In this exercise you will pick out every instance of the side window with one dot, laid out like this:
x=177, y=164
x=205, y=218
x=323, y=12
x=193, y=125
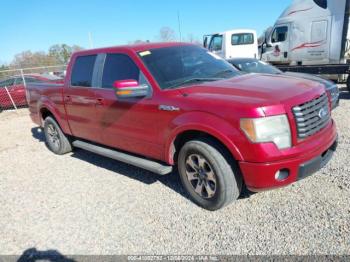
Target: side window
x=120, y=67
x=83, y=69
x=19, y=81
x=242, y=39
x=279, y=34
x=8, y=82
x=321, y=3
x=31, y=80
x=216, y=43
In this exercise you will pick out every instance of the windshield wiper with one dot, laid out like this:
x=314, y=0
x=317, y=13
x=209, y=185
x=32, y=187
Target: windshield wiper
x=223, y=72
x=195, y=80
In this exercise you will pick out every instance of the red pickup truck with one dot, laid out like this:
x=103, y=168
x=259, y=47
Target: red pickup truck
x=164, y=104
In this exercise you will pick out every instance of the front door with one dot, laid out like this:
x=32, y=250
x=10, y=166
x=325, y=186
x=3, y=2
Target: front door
x=129, y=123
x=80, y=101
x=277, y=48
x=216, y=45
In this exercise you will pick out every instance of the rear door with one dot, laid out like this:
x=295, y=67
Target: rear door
x=79, y=98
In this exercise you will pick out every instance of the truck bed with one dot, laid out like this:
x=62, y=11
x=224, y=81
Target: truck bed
x=38, y=92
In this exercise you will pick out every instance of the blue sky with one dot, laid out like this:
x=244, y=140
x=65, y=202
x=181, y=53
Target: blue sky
x=37, y=24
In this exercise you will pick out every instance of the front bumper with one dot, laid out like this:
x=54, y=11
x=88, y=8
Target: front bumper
x=262, y=176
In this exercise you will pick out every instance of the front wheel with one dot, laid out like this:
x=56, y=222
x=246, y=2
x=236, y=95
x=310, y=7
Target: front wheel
x=207, y=174
x=348, y=83
x=56, y=140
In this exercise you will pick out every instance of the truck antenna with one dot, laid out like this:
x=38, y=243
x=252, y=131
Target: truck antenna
x=179, y=24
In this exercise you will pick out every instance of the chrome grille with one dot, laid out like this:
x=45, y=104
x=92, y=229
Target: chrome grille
x=312, y=116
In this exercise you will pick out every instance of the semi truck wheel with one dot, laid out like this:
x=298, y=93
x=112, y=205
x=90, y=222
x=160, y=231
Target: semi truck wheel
x=206, y=173
x=56, y=140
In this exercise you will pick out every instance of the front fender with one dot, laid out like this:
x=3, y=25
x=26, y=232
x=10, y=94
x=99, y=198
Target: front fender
x=213, y=125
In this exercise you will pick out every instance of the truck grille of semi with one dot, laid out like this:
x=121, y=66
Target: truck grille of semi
x=312, y=116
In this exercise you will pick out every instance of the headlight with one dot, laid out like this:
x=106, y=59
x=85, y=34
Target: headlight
x=274, y=129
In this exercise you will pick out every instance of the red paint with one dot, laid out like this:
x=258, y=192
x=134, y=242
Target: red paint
x=138, y=126
x=298, y=11
x=308, y=45
x=18, y=92
x=125, y=83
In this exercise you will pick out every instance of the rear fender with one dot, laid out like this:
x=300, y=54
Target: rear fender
x=60, y=116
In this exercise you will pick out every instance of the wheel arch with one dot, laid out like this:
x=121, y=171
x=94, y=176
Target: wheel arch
x=46, y=110
x=183, y=135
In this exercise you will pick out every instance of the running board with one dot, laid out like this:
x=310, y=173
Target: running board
x=149, y=165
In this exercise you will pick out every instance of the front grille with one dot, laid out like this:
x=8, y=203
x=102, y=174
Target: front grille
x=312, y=116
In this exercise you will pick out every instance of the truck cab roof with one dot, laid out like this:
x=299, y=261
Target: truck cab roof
x=134, y=48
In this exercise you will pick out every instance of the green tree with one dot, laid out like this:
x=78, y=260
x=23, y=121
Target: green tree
x=62, y=52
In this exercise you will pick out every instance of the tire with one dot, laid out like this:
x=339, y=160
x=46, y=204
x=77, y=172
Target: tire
x=56, y=140
x=348, y=83
x=204, y=165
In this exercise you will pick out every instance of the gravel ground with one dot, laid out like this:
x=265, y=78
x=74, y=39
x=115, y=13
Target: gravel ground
x=82, y=203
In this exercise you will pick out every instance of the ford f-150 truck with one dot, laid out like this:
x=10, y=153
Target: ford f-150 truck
x=162, y=105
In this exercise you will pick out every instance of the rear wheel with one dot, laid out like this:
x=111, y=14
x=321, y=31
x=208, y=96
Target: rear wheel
x=56, y=140
x=207, y=174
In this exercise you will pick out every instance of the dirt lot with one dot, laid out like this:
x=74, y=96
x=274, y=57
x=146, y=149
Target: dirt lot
x=82, y=203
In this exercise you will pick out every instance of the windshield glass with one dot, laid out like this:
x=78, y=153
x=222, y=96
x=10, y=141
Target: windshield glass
x=179, y=65
x=255, y=66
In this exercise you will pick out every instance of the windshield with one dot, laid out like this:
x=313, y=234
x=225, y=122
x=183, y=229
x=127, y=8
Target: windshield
x=178, y=65
x=255, y=66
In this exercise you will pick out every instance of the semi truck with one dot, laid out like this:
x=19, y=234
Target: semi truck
x=311, y=36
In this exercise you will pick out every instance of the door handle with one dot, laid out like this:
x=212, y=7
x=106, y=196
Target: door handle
x=67, y=99
x=99, y=102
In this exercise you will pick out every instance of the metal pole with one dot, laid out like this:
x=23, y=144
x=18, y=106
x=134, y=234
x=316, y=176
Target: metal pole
x=24, y=81
x=178, y=21
x=90, y=41
x=13, y=103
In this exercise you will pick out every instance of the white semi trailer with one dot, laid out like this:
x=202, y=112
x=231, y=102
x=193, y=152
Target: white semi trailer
x=311, y=36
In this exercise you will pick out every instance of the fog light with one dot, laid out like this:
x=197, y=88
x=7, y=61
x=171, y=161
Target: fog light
x=282, y=174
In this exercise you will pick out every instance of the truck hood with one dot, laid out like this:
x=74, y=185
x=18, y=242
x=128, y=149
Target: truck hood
x=257, y=89
x=326, y=82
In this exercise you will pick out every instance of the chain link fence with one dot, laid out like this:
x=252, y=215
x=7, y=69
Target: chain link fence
x=13, y=83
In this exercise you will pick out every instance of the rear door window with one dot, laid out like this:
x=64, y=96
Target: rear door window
x=242, y=39
x=83, y=69
x=119, y=67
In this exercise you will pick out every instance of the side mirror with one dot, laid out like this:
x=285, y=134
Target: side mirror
x=130, y=88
